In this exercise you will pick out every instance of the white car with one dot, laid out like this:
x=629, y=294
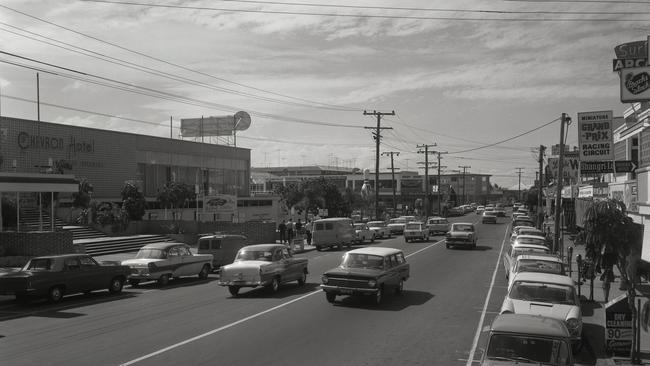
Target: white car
x=396, y=226
x=536, y=262
x=380, y=228
x=546, y=294
x=362, y=233
x=517, y=249
x=416, y=230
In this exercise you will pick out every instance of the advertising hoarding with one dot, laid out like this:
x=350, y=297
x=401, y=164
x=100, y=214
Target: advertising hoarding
x=635, y=84
x=571, y=168
x=595, y=139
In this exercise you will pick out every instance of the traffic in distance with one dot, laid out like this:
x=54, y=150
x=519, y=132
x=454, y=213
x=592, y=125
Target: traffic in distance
x=358, y=267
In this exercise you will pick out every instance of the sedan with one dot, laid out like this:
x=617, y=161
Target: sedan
x=537, y=262
x=380, y=228
x=549, y=295
x=489, y=217
x=362, y=233
x=461, y=234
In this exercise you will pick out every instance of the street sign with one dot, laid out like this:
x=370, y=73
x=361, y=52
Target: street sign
x=595, y=136
x=626, y=63
x=603, y=167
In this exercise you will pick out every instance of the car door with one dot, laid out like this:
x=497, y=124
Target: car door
x=73, y=277
x=507, y=259
x=175, y=261
x=96, y=277
x=189, y=263
x=292, y=266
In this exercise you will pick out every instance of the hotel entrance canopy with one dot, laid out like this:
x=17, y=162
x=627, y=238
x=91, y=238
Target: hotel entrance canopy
x=23, y=182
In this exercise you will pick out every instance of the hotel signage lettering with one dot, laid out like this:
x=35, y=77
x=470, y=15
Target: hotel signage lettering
x=72, y=146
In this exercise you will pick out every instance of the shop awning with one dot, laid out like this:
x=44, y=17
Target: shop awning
x=24, y=182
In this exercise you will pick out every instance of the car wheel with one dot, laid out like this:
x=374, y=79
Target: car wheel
x=330, y=297
x=234, y=290
x=448, y=246
x=134, y=283
x=318, y=248
x=302, y=279
x=55, y=294
x=275, y=285
x=378, y=296
x=204, y=272
x=372, y=240
x=163, y=280
x=116, y=285
x=400, y=287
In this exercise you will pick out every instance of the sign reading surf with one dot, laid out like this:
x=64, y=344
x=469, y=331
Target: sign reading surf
x=596, y=140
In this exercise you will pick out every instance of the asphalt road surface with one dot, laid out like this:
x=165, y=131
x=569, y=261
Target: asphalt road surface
x=452, y=295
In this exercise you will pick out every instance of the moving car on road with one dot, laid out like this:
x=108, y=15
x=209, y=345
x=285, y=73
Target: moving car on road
x=367, y=271
x=519, y=339
x=548, y=295
x=396, y=226
x=54, y=276
x=461, y=234
x=437, y=225
x=268, y=265
x=332, y=232
x=164, y=261
x=416, y=230
x=362, y=233
x=380, y=228
x=489, y=217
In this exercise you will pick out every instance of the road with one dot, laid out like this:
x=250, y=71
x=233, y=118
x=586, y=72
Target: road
x=439, y=320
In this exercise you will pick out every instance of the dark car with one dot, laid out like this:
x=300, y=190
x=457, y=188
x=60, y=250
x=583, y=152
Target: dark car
x=367, y=271
x=54, y=276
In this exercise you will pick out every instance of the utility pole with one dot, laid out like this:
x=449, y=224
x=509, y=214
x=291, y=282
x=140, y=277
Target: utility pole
x=426, y=153
x=519, y=170
x=392, y=171
x=439, y=185
x=464, y=167
x=540, y=213
x=558, y=197
x=377, y=137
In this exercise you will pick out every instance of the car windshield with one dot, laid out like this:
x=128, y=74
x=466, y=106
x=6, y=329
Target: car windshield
x=542, y=292
x=534, y=241
x=412, y=227
x=539, y=265
x=398, y=221
x=527, y=349
x=377, y=224
x=254, y=255
x=359, y=260
x=359, y=226
x=151, y=253
x=462, y=227
x=39, y=264
x=530, y=232
x=518, y=251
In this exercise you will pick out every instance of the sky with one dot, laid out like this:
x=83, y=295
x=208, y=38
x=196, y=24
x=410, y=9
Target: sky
x=485, y=81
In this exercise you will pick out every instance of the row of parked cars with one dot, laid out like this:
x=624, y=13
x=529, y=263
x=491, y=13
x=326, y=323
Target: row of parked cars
x=540, y=320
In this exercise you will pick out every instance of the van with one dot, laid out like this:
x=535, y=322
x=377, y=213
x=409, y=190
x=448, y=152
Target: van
x=335, y=231
x=223, y=247
x=437, y=225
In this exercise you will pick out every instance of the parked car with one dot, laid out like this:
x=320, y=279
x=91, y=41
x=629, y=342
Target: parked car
x=268, y=265
x=522, y=221
x=461, y=233
x=164, y=261
x=536, y=262
x=396, y=226
x=480, y=209
x=455, y=211
x=530, y=240
x=522, y=339
x=369, y=271
x=526, y=230
x=517, y=249
x=332, y=232
x=223, y=247
x=362, y=233
x=416, y=230
x=55, y=276
x=437, y=225
x=547, y=295
x=489, y=217
x=380, y=228
x=500, y=211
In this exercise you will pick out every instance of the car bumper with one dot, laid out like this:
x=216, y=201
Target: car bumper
x=492, y=221
x=239, y=283
x=339, y=290
x=458, y=242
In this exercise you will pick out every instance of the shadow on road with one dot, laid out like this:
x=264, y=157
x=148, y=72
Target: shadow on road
x=176, y=282
x=478, y=248
x=286, y=290
x=390, y=302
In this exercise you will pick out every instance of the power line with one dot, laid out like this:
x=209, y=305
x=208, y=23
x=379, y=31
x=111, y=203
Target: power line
x=555, y=19
x=171, y=63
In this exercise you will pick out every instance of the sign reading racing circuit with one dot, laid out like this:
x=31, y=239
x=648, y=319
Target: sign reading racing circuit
x=595, y=136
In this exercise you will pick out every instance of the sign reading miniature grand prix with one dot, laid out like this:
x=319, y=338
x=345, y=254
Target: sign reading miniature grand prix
x=595, y=136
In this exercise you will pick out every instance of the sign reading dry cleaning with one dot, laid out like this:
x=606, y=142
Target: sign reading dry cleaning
x=596, y=140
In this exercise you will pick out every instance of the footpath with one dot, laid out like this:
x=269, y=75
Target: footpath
x=593, y=307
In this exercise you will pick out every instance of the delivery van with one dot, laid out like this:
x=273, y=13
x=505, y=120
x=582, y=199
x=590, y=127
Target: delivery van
x=223, y=247
x=332, y=232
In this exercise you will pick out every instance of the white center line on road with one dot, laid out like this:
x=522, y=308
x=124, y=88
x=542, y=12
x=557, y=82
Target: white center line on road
x=217, y=330
x=470, y=358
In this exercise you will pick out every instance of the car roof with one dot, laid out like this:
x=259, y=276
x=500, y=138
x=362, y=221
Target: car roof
x=262, y=247
x=221, y=236
x=543, y=277
x=68, y=255
x=462, y=223
x=529, y=324
x=333, y=219
x=517, y=245
x=415, y=222
x=163, y=245
x=376, y=222
x=540, y=256
x=526, y=236
x=375, y=251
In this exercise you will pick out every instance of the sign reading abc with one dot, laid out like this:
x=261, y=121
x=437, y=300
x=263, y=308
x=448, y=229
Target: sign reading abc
x=595, y=136
x=635, y=84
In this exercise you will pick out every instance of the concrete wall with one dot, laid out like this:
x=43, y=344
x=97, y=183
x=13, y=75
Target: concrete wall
x=17, y=247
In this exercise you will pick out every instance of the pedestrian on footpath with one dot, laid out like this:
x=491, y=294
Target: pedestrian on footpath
x=607, y=278
x=290, y=232
x=283, y=232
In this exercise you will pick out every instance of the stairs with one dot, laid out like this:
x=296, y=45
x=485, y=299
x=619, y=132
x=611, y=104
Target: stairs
x=113, y=245
x=30, y=220
x=84, y=232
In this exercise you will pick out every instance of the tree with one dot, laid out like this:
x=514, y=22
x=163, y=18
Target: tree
x=133, y=202
x=81, y=200
x=312, y=194
x=612, y=238
x=174, y=195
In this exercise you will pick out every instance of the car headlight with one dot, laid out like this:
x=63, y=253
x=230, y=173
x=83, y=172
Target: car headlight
x=372, y=283
x=573, y=324
x=324, y=279
x=152, y=266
